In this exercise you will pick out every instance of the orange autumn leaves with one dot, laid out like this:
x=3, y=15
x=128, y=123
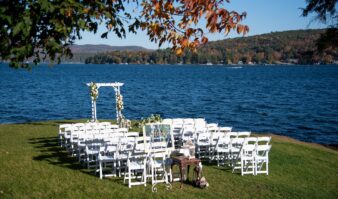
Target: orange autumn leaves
x=177, y=21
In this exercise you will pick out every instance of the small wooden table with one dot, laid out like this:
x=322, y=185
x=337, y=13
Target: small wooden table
x=184, y=162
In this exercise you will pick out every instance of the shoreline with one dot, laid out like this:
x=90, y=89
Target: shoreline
x=180, y=64
x=332, y=146
x=222, y=65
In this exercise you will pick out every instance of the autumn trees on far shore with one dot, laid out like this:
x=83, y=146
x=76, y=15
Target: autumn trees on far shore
x=296, y=47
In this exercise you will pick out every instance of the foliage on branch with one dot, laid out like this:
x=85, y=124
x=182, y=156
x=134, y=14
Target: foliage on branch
x=325, y=9
x=177, y=21
x=37, y=29
x=41, y=28
x=326, y=13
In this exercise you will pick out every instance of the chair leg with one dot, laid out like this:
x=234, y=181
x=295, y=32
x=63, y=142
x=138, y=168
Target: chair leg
x=114, y=169
x=252, y=167
x=100, y=170
x=129, y=178
x=152, y=175
x=171, y=175
x=242, y=165
x=119, y=165
x=267, y=167
x=166, y=176
x=145, y=176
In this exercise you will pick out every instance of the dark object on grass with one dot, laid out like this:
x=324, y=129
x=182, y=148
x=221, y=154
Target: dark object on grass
x=199, y=181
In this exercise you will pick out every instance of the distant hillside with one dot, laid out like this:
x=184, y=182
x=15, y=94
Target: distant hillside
x=90, y=48
x=82, y=52
x=297, y=47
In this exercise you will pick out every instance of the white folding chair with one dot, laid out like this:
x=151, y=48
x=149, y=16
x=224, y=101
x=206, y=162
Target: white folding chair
x=261, y=158
x=231, y=135
x=200, y=125
x=200, y=122
x=91, y=127
x=200, y=129
x=126, y=145
x=157, y=162
x=122, y=130
x=212, y=125
x=177, y=127
x=74, y=136
x=81, y=148
x=63, y=129
x=235, y=149
x=188, y=133
x=142, y=144
x=103, y=126
x=224, y=130
x=203, y=145
x=107, y=158
x=92, y=152
x=243, y=134
x=136, y=164
x=247, y=156
x=112, y=127
x=177, y=121
x=132, y=134
x=214, y=135
x=188, y=122
x=167, y=121
x=263, y=140
x=244, y=158
x=78, y=126
x=222, y=150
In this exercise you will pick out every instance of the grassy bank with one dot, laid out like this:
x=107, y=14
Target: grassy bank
x=33, y=166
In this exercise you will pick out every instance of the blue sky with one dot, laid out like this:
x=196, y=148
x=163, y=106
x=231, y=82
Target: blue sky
x=263, y=16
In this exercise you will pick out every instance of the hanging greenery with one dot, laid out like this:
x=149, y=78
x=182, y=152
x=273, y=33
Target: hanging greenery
x=152, y=119
x=123, y=122
x=119, y=103
x=94, y=91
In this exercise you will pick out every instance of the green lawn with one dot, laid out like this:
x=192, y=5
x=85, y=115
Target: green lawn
x=33, y=166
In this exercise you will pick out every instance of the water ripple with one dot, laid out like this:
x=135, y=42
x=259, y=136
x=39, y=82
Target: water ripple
x=300, y=102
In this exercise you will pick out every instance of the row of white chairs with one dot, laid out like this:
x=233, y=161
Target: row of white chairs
x=249, y=155
x=128, y=159
x=105, y=147
x=69, y=134
x=187, y=129
x=121, y=153
x=89, y=127
x=208, y=139
x=206, y=142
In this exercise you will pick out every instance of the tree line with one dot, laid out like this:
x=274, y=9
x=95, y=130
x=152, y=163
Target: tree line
x=297, y=47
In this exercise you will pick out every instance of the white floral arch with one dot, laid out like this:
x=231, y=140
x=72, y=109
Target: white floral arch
x=94, y=93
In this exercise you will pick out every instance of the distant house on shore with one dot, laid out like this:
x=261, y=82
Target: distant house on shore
x=293, y=61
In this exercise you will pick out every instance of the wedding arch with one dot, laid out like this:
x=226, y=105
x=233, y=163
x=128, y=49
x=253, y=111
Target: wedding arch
x=94, y=94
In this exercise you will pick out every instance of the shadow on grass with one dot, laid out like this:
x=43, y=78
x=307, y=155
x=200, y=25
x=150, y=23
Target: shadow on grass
x=55, y=155
x=48, y=123
x=221, y=167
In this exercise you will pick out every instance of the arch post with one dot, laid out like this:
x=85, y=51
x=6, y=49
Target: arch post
x=94, y=93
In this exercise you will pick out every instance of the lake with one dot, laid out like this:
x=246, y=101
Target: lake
x=296, y=101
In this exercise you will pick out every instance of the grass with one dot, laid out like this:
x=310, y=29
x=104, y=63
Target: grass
x=33, y=166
